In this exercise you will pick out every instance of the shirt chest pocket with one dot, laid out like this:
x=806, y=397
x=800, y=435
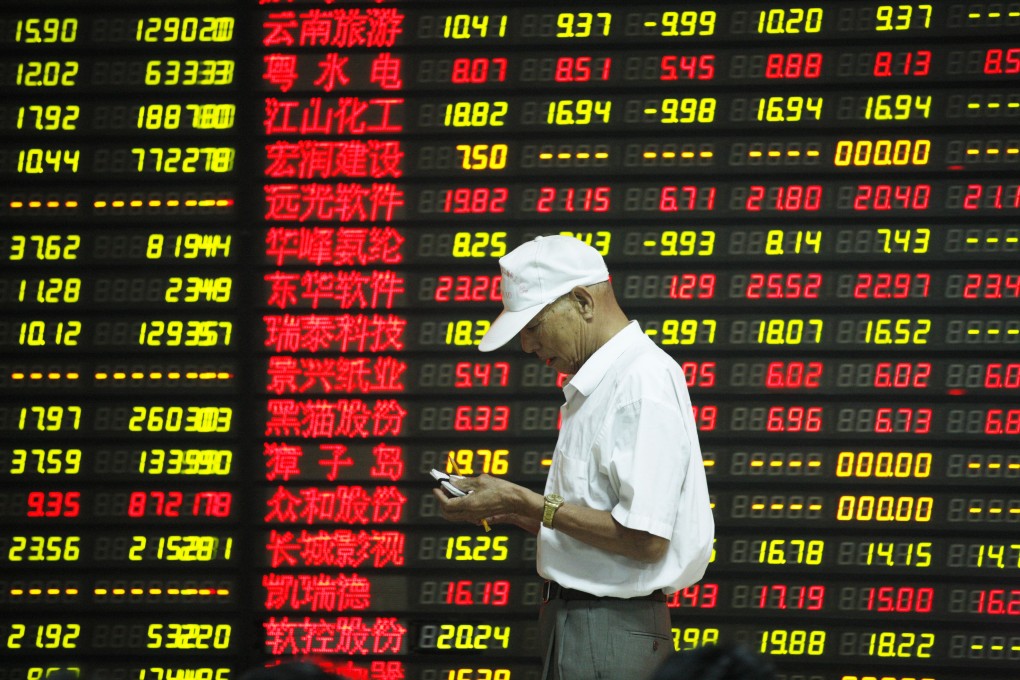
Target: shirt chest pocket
x=574, y=464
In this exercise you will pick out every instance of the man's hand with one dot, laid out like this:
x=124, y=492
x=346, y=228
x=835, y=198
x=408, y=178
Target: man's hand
x=499, y=501
x=493, y=499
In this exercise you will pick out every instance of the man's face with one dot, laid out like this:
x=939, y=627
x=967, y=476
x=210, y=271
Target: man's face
x=557, y=335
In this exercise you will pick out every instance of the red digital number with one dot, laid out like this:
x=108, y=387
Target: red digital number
x=783, y=286
x=999, y=601
x=915, y=64
x=582, y=69
x=705, y=417
x=481, y=418
x=779, y=596
x=470, y=374
x=892, y=197
x=794, y=419
x=1002, y=376
x=478, y=70
x=904, y=420
x=482, y=288
x=999, y=61
x=573, y=199
x=699, y=374
x=891, y=285
x=793, y=374
x=692, y=287
x=677, y=198
x=475, y=200
x=793, y=65
x=54, y=503
x=466, y=593
x=991, y=286
x=687, y=67
x=167, y=503
x=784, y=197
x=1002, y=421
x=902, y=375
x=698, y=596
x=212, y=504
x=900, y=599
x=994, y=197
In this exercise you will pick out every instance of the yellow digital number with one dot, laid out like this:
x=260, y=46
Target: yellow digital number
x=47, y=73
x=793, y=642
x=185, y=29
x=34, y=333
x=51, y=117
x=482, y=156
x=900, y=17
x=465, y=333
x=493, y=461
x=180, y=419
x=473, y=636
x=578, y=111
x=44, y=549
x=477, y=548
x=189, y=72
x=185, y=462
x=897, y=106
x=465, y=26
x=789, y=109
x=598, y=240
x=37, y=161
x=46, y=461
x=57, y=636
x=479, y=244
x=49, y=247
x=186, y=159
x=862, y=153
x=790, y=20
x=198, y=289
x=478, y=674
x=687, y=110
x=905, y=240
x=50, y=291
x=187, y=334
x=790, y=331
x=685, y=639
x=49, y=418
x=897, y=331
x=682, y=24
x=582, y=24
x=475, y=114
x=777, y=552
x=688, y=331
x=884, y=464
x=902, y=645
x=777, y=242
x=687, y=243
x=46, y=31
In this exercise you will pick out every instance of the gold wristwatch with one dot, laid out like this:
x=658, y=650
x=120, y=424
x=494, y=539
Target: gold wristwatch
x=552, y=504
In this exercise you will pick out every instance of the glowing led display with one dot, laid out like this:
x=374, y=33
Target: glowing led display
x=249, y=254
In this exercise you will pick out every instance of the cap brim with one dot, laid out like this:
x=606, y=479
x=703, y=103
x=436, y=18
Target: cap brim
x=506, y=326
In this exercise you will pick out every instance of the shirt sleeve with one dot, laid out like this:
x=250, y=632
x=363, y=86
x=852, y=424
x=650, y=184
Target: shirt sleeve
x=649, y=446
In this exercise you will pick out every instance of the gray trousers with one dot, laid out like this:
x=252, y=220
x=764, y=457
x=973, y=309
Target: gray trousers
x=604, y=639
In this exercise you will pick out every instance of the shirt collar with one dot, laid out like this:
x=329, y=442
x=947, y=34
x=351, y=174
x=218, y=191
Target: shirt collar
x=598, y=364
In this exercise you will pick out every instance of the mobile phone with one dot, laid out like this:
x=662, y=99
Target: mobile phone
x=446, y=483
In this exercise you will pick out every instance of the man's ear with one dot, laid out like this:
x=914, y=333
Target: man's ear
x=585, y=301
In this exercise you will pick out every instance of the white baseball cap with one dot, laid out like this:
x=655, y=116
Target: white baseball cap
x=536, y=273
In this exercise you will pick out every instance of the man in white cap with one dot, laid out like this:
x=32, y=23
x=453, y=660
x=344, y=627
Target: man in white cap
x=625, y=519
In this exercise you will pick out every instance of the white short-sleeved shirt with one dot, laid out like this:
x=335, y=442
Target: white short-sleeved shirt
x=628, y=444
